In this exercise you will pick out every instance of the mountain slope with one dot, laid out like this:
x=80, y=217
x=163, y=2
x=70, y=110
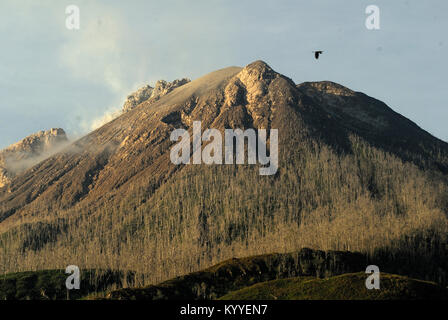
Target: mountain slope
x=353, y=175
x=377, y=123
x=134, y=144
x=255, y=96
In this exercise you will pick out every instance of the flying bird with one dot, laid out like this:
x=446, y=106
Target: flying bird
x=317, y=53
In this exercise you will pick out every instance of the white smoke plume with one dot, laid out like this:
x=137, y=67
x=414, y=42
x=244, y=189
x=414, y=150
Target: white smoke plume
x=108, y=116
x=98, y=54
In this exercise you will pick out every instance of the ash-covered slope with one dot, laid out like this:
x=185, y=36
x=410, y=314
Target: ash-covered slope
x=22, y=155
x=135, y=146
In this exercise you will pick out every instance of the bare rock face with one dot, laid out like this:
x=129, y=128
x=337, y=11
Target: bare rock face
x=256, y=78
x=147, y=92
x=134, y=99
x=254, y=87
x=24, y=154
x=4, y=179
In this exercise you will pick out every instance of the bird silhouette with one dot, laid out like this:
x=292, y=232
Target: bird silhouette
x=317, y=53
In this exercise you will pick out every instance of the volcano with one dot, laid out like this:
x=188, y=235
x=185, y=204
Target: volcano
x=352, y=175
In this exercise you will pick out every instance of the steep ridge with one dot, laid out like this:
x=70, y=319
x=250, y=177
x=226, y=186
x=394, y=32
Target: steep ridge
x=347, y=162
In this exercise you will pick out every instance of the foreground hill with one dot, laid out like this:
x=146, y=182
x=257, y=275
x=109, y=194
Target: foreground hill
x=343, y=287
x=353, y=176
x=50, y=284
x=305, y=274
x=234, y=274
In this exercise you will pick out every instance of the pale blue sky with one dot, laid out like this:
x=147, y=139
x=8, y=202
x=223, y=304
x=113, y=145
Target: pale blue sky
x=53, y=77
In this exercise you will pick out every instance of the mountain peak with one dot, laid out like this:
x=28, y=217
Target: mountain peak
x=38, y=142
x=29, y=151
x=259, y=64
x=258, y=70
x=251, y=83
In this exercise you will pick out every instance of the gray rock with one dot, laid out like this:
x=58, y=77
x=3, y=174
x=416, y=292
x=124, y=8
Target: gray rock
x=148, y=93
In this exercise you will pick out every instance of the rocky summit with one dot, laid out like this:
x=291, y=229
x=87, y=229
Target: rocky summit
x=148, y=93
x=22, y=155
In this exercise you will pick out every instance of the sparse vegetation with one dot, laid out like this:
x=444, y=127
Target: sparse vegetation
x=368, y=201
